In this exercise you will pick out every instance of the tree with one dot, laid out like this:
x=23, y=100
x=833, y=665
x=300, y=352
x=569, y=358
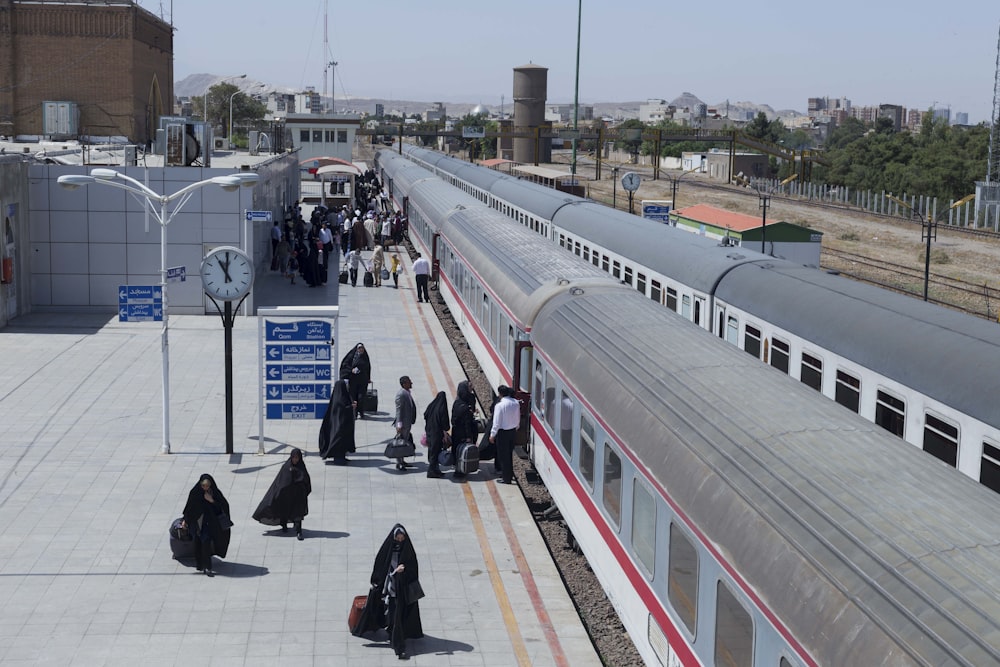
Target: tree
x=626, y=139
x=760, y=127
x=245, y=108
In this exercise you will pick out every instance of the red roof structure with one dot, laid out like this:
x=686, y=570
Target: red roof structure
x=718, y=217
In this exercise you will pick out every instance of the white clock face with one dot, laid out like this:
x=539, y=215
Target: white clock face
x=227, y=273
x=630, y=181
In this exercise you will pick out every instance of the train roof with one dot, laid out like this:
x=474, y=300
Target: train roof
x=695, y=260
x=869, y=552
x=958, y=355
x=513, y=261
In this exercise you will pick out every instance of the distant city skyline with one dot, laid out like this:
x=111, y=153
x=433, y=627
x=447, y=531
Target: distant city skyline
x=917, y=55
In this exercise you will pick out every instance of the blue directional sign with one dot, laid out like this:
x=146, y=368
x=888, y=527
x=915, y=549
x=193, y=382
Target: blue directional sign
x=658, y=212
x=302, y=330
x=140, y=303
x=298, y=369
x=177, y=274
x=258, y=216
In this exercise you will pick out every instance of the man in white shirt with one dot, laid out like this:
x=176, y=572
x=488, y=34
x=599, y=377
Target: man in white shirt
x=506, y=419
x=422, y=270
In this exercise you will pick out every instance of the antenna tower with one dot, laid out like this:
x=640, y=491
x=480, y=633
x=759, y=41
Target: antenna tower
x=993, y=160
x=326, y=47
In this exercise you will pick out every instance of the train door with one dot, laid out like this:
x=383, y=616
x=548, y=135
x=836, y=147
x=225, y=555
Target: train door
x=523, y=355
x=435, y=261
x=699, y=308
x=720, y=322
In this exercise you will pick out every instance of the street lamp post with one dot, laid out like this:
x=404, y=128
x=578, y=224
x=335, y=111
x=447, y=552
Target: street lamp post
x=674, y=181
x=614, y=187
x=931, y=232
x=148, y=198
x=229, y=130
x=765, y=198
x=204, y=100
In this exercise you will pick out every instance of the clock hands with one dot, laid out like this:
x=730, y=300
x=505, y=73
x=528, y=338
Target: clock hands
x=225, y=267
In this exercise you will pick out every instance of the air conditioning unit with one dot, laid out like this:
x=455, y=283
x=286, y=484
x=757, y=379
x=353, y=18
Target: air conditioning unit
x=220, y=144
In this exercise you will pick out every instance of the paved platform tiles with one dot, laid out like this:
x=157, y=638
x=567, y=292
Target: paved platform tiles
x=86, y=575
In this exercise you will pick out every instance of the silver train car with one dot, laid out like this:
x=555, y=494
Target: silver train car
x=733, y=516
x=925, y=373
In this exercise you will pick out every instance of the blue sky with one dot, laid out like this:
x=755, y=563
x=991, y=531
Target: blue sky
x=779, y=53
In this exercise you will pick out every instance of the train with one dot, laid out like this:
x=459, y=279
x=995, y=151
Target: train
x=925, y=373
x=732, y=515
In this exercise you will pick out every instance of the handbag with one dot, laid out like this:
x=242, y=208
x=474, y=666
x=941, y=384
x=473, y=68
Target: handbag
x=225, y=521
x=398, y=448
x=358, y=605
x=385, y=274
x=414, y=592
x=446, y=458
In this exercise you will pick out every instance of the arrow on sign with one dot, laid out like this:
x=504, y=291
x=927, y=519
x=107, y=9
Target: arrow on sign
x=274, y=353
x=274, y=392
x=274, y=372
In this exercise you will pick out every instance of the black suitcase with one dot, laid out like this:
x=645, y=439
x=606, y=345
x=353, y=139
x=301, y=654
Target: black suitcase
x=343, y=277
x=181, y=542
x=467, y=458
x=369, y=279
x=370, y=399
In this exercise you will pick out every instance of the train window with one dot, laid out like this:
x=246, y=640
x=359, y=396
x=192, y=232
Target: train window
x=780, y=355
x=616, y=269
x=510, y=346
x=811, y=372
x=628, y=275
x=586, y=253
x=576, y=248
x=732, y=330
x=672, y=299
x=566, y=422
x=643, y=525
x=686, y=307
x=604, y=264
x=640, y=283
x=989, y=467
x=612, y=484
x=890, y=413
x=733, y=631
x=751, y=341
x=656, y=291
x=682, y=580
x=586, y=451
x=562, y=241
x=848, y=391
x=941, y=439
x=550, y=400
x=784, y=663
x=538, y=386
x=595, y=259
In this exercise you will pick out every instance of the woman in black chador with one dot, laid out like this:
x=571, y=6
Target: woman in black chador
x=336, y=435
x=463, y=418
x=357, y=368
x=392, y=600
x=287, y=499
x=435, y=425
x=206, y=515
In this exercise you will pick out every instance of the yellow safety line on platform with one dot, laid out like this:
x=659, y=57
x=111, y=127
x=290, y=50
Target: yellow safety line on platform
x=520, y=649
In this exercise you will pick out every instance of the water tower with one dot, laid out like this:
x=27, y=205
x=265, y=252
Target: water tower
x=530, y=89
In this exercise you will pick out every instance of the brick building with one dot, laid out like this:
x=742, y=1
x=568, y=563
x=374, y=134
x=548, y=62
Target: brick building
x=111, y=62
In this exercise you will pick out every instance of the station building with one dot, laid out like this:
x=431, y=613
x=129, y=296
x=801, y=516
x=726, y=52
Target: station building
x=83, y=69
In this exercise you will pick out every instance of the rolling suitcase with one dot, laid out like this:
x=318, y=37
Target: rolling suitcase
x=369, y=279
x=181, y=542
x=370, y=399
x=467, y=458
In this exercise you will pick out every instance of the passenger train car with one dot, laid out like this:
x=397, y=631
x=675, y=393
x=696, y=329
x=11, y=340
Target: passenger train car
x=925, y=373
x=733, y=516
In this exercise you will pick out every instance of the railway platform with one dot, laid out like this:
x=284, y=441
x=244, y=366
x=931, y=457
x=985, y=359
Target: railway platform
x=86, y=496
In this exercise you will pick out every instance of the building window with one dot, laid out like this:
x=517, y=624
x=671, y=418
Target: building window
x=341, y=136
x=811, y=372
x=330, y=136
x=941, y=439
x=733, y=631
x=682, y=579
x=890, y=413
x=779, y=355
x=848, y=392
x=751, y=341
x=304, y=136
x=643, y=525
x=317, y=136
